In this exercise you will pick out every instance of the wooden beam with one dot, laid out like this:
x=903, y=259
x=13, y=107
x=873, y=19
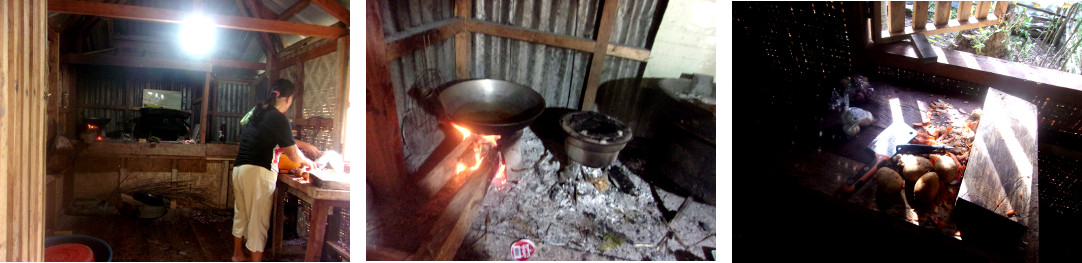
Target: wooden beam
x=463, y=44
x=896, y=14
x=228, y=63
x=270, y=50
x=334, y=9
x=921, y=8
x=203, y=125
x=310, y=54
x=385, y=163
x=964, y=8
x=561, y=41
x=137, y=62
x=597, y=62
x=292, y=10
x=942, y=12
x=410, y=40
x=174, y=16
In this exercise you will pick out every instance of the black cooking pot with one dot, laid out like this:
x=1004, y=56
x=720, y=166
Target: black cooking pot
x=490, y=106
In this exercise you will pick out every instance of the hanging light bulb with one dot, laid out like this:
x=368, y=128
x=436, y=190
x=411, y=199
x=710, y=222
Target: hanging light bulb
x=197, y=35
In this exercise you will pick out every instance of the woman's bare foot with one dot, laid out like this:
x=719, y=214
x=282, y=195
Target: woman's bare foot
x=240, y=259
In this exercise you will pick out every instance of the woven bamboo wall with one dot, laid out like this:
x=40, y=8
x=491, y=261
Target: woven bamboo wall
x=23, y=70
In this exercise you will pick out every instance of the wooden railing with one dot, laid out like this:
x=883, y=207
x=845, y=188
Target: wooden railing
x=941, y=22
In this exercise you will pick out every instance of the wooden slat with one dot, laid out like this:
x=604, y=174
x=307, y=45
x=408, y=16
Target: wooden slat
x=597, y=62
x=173, y=16
x=334, y=9
x=417, y=38
x=6, y=100
x=982, y=9
x=385, y=163
x=293, y=10
x=964, y=8
x=920, y=7
x=1001, y=8
x=952, y=26
x=896, y=14
x=463, y=43
x=203, y=125
x=942, y=12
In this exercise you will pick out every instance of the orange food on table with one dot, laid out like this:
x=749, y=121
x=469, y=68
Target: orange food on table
x=284, y=164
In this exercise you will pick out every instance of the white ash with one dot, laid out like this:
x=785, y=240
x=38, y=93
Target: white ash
x=553, y=205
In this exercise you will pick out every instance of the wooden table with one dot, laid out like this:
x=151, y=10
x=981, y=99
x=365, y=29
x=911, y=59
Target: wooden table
x=323, y=202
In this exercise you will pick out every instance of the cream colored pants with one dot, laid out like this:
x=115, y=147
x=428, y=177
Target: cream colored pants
x=253, y=188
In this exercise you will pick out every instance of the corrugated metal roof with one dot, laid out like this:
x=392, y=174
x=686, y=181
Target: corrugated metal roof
x=234, y=44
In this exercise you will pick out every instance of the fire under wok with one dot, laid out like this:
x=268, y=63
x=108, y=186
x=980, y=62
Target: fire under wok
x=489, y=106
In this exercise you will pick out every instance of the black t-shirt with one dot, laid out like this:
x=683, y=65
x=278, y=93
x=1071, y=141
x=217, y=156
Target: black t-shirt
x=258, y=138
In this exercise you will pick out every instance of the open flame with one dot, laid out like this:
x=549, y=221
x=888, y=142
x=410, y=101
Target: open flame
x=501, y=173
x=91, y=126
x=465, y=132
x=501, y=176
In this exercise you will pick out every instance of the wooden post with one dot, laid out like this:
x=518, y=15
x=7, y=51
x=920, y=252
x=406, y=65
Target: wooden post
x=920, y=14
x=942, y=13
x=964, y=8
x=1001, y=8
x=317, y=230
x=597, y=63
x=386, y=169
x=877, y=21
x=342, y=83
x=897, y=17
x=204, y=126
x=982, y=9
x=463, y=9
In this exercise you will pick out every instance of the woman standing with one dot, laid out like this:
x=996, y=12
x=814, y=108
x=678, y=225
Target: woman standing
x=264, y=138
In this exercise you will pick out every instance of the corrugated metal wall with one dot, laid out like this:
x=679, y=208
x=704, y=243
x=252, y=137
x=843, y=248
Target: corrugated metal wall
x=98, y=90
x=558, y=74
x=427, y=67
x=229, y=97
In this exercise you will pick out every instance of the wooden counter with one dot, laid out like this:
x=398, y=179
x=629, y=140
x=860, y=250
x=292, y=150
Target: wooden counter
x=323, y=202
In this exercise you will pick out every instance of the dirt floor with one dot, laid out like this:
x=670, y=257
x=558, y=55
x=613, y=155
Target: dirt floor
x=183, y=234
x=549, y=203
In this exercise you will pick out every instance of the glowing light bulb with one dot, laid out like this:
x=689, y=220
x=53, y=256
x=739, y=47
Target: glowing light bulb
x=197, y=35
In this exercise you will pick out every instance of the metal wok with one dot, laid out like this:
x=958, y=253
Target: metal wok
x=489, y=106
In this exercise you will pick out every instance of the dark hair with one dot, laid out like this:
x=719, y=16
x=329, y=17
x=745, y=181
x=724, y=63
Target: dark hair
x=280, y=88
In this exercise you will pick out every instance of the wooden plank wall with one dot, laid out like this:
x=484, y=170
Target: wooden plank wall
x=23, y=69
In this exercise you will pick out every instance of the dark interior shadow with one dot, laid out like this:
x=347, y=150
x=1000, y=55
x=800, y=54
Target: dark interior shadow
x=547, y=128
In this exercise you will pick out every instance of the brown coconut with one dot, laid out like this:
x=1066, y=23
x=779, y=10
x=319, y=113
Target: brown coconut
x=889, y=181
x=946, y=168
x=913, y=167
x=927, y=187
